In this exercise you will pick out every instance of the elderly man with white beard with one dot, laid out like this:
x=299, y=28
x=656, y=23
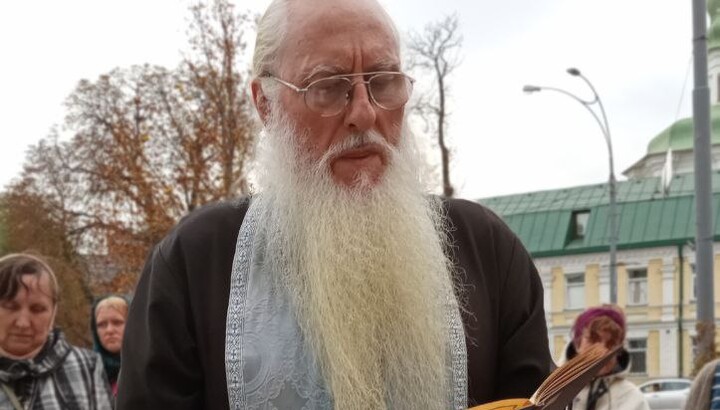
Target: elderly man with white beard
x=340, y=283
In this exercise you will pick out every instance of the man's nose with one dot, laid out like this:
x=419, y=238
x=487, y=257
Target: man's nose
x=360, y=113
x=22, y=320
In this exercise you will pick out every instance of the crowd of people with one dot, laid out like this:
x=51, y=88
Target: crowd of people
x=340, y=283
x=39, y=369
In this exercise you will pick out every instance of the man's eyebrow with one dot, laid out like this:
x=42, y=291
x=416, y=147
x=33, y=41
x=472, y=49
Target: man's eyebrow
x=389, y=64
x=324, y=69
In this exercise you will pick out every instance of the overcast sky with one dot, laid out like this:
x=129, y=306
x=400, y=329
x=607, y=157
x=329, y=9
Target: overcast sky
x=637, y=54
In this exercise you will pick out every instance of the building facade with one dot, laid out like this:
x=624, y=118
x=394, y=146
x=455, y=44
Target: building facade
x=566, y=231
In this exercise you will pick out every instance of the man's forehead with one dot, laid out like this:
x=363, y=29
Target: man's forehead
x=330, y=17
x=335, y=37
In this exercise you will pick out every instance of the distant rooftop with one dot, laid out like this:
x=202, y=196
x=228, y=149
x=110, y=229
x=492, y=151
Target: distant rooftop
x=680, y=135
x=544, y=219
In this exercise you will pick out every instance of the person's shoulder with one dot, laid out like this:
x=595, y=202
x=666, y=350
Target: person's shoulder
x=621, y=385
x=471, y=215
x=82, y=355
x=706, y=373
x=467, y=208
x=202, y=230
x=214, y=215
x=217, y=219
x=710, y=366
x=625, y=388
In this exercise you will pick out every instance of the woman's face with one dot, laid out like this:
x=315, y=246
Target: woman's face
x=605, y=339
x=26, y=320
x=110, y=328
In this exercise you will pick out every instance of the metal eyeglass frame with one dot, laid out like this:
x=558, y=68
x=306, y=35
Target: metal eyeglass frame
x=346, y=77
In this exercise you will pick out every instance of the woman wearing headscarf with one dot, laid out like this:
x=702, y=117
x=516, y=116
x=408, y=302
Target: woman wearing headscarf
x=108, y=326
x=39, y=369
x=605, y=325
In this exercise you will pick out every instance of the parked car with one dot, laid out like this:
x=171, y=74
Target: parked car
x=666, y=394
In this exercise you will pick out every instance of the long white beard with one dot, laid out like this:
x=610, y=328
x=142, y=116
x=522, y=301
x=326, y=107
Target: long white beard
x=365, y=269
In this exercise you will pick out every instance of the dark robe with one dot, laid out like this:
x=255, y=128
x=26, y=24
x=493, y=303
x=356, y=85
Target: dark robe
x=174, y=345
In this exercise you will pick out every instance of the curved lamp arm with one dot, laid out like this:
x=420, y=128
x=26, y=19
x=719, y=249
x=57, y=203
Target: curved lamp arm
x=603, y=123
x=605, y=128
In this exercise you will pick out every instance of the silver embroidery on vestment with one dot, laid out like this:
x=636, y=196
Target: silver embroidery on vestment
x=234, y=321
x=267, y=364
x=458, y=354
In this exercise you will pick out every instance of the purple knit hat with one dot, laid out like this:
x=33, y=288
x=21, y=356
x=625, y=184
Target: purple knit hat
x=582, y=321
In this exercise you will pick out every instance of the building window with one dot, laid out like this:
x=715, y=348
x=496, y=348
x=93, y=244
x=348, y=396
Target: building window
x=575, y=291
x=638, y=355
x=579, y=224
x=637, y=287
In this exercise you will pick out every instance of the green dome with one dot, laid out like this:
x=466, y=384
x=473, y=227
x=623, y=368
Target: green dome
x=714, y=29
x=680, y=135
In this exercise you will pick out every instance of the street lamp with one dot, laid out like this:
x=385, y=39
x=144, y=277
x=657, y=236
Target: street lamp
x=603, y=123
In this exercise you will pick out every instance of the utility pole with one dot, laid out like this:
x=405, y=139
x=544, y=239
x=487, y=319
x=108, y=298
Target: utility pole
x=703, y=190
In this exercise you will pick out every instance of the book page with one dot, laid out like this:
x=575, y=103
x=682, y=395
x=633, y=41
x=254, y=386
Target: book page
x=567, y=380
x=507, y=404
x=563, y=384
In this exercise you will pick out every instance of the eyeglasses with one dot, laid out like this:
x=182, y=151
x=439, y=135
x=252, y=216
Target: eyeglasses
x=329, y=96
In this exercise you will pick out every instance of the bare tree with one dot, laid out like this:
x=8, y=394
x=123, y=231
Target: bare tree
x=436, y=50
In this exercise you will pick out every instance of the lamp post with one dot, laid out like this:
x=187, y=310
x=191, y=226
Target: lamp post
x=603, y=123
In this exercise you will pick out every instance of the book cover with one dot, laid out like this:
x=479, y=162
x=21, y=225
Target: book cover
x=563, y=384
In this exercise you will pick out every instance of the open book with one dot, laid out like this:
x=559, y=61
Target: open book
x=563, y=384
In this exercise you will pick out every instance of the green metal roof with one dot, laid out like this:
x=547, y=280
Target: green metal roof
x=679, y=136
x=647, y=218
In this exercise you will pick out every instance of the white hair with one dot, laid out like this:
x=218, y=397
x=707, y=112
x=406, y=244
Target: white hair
x=271, y=33
x=272, y=30
x=363, y=265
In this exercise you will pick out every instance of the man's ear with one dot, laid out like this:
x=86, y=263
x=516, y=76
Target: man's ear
x=262, y=105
